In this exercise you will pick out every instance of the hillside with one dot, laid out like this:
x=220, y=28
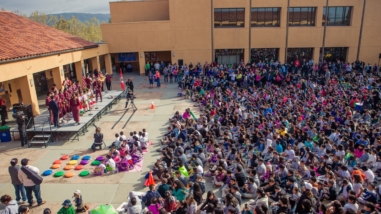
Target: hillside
x=83, y=17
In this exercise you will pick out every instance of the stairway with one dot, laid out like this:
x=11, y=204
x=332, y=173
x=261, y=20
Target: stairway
x=40, y=139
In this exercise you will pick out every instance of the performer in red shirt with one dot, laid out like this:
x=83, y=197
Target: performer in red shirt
x=88, y=81
x=54, y=88
x=66, y=83
x=74, y=105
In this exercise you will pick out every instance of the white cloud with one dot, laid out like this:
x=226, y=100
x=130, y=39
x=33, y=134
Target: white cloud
x=56, y=6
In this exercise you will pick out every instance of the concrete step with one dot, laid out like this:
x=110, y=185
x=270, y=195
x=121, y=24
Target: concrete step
x=38, y=142
x=42, y=136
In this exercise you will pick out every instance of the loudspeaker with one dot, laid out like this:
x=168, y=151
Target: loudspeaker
x=180, y=62
x=379, y=56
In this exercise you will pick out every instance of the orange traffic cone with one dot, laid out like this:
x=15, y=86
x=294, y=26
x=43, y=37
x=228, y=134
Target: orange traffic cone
x=152, y=105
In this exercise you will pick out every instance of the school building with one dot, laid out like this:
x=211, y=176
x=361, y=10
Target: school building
x=184, y=31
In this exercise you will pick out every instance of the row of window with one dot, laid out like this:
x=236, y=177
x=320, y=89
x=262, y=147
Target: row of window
x=270, y=16
x=331, y=54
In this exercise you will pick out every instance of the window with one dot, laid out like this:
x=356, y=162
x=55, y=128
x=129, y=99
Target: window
x=301, y=16
x=300, y=54
x=229, y=56
x=334, y=54
x=234, y=17
x=265, y=17
x=338, y=16
x=264, y=54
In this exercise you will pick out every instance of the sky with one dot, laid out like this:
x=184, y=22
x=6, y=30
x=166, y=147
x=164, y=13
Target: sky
x=56, y=6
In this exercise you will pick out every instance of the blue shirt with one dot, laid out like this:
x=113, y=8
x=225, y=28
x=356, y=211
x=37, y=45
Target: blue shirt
x=279, y=148
x=309, y=144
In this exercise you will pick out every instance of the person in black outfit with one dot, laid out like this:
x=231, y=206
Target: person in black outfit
x=55, y=110
x=130, y=84
x=283, y=208
x=331, y=195
x=211, y=199
x=96, y=73
x=240, y=176
x=3, y=114
x=21, y=126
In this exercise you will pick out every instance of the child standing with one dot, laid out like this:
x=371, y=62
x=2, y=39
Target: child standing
x=78, y=202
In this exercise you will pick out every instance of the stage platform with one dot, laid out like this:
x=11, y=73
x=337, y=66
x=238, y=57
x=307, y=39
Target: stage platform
x=43, y=132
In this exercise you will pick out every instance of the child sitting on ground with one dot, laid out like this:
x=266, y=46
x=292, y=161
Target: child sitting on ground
x=99, y=170
x=110, y=164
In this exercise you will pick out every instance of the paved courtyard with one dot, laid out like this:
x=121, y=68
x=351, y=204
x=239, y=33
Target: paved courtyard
x=110, y=188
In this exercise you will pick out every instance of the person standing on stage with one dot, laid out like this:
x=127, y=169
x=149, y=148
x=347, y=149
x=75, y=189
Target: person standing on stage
x=47, y=101
x=54, y=88
x=108, y=81
x=88, y=81
x=97, y=88
x=66, y=83
x=55, y=110
x=74, y=105
x=67, y=100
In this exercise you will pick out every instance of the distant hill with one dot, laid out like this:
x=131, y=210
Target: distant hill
x=83, y=17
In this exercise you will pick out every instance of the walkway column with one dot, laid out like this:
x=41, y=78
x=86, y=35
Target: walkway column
x=108, y=64
x=94, y=63
x=58, y=76
x=316, y=55
x=142, y=63
x=79, y=67
x=282, y=55
x=28, y=92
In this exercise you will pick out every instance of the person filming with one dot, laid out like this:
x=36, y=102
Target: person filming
x=21, y=126
x=129, y=97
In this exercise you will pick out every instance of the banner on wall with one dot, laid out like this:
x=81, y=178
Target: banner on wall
x=126, y=57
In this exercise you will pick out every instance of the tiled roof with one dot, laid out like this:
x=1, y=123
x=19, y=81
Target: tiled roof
x=21, y=38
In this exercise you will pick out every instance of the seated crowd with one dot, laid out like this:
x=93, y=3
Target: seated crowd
x=271, y=141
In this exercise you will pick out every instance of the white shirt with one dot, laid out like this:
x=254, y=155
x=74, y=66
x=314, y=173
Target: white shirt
x=124, y=137
x=200, y=170
x=369, y=175
x=111, y=163
x=345, y=192
x=354, y=207
x=372, y=159
x=146, y=135
x=24, y=179
x=290, y=154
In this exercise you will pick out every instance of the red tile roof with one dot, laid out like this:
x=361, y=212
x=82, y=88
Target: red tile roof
x=21, y=37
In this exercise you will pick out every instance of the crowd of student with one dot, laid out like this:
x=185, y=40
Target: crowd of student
x=271, y=138
x=299, y=138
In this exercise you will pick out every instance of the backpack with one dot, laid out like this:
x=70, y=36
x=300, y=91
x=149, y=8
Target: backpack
x=32, y=175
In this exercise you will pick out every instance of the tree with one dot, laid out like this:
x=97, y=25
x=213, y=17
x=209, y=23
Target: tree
x=90, y=30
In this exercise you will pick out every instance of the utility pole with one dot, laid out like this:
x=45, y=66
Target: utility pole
x=287, y=22
x=362, y=24
x=325, y=30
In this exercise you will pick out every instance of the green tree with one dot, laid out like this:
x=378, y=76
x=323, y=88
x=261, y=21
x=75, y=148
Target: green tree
x=90, y=30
